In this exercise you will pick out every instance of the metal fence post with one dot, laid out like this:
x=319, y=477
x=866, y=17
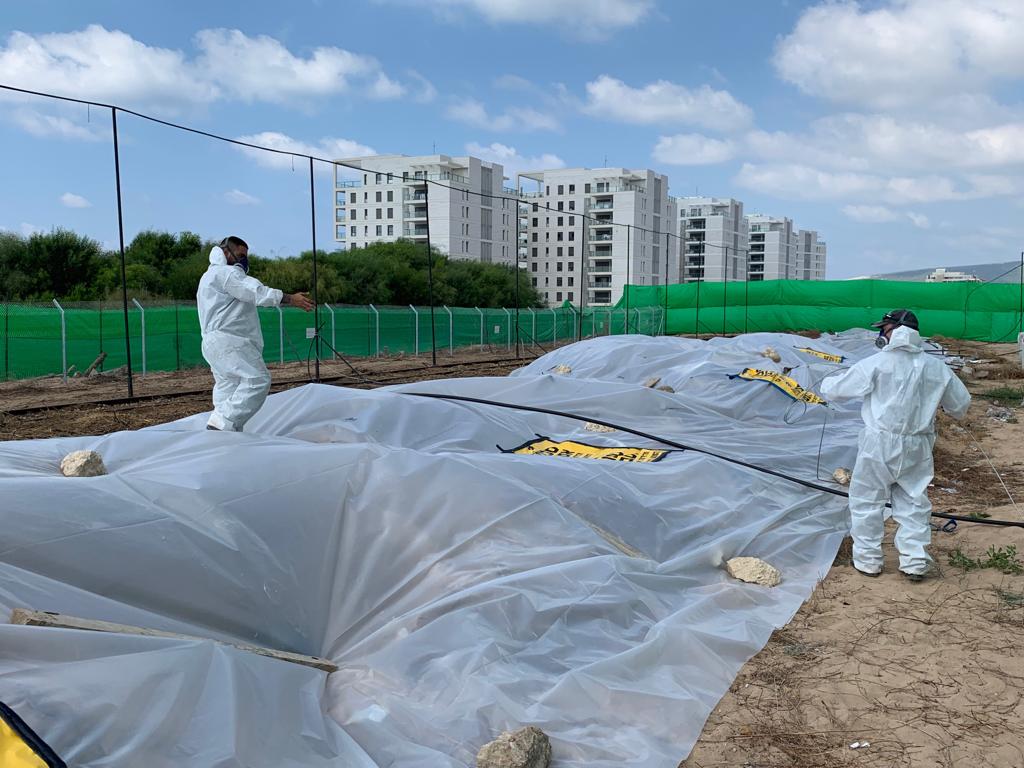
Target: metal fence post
x=376, y=316
x=416, y=321
x=63, y=342
x=508, y=327
x=611, y=316
x=637, y=310
x=334, y=344
x=481, y=327
x=280, y=332
x=554, y=327
x=451, y=331
x=142, y=316
x=533, y=327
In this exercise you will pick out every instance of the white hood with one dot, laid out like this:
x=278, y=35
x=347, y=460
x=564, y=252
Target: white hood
x=217, y=256
x=905, y=339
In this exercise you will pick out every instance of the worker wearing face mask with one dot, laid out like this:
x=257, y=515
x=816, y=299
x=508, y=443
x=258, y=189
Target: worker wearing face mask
x=232, y=339
x=902, y=388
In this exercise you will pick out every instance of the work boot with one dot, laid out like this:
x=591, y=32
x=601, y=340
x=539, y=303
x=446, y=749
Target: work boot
x=914, y=577
x=867, y=573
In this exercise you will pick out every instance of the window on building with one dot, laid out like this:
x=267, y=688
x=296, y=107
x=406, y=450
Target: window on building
x=561, y=189
x=352, y=231
x=535, y=237
x=391, y=230
x=547, y=281
x=534, y=254
x=378, y=179
x=366, y=231
x=354, y=214
x=366, y=179
x=558, y=266
x=380, y=230
x=380, y=195
x=572, y=220
x=547, y=266
x=533, y=266
x=561, y=205
x=561, y=221
x=571, y=254
x=569, y=296
x=391, y=213
x=559, y=251
x=534, y=282
x=535, y=220
x=561, y=235
x=558, y=296
x=572, y=188
x=572, y=205
x=572, y=235
x=380, y=213
x=535, y=210
x=547, y=190
x=570, y=283
x=586, y=189
x=558, y=280
x=353, y=197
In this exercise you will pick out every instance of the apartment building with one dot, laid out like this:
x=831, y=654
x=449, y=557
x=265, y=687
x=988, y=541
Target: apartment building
x=471, y=212
x=587, y=232
x=811, y=255
x=713, y=234
x=772, y=247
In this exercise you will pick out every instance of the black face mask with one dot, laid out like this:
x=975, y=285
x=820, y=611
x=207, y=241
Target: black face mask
x=243, y=262
x=880, y=340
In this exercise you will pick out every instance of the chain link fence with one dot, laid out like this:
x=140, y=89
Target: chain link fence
x=66, y=338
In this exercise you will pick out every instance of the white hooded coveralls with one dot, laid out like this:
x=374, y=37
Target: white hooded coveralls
x=232, y=340
x=902, y=387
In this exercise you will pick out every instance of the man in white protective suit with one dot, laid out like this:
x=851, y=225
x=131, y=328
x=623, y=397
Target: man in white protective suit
x=232, y=339
x=902, y=387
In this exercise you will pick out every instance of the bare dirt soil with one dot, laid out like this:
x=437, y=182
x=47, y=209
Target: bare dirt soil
x=928, y=674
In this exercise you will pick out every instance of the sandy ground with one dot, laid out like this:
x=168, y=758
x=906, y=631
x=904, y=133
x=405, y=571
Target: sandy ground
x=928, y=674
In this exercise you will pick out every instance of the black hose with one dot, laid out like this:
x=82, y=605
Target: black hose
x=684, y=447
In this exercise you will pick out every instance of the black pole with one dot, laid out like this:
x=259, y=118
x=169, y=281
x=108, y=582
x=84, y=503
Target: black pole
x=1021, y=279
x=177, y=339
x=316, y=302
x=625, y=285
x=516, y=253
x=583, y=274
x=430, y=277
x=725, y=285
x=746, y=298
x=101, y=333
x=665, y=323
x=124, y=277
x=7, y=340
x=696, y=316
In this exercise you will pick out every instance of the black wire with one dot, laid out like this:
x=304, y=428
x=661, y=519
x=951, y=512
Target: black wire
x=684, y=447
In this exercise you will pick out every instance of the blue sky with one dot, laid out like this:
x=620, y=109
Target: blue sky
x=895, y=128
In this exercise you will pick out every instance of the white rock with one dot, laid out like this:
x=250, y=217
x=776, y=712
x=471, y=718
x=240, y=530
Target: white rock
x=528, y=747
x=754, y=571
x=83, y=464
x=842, y=476
x=772, y=355
x=562, y=368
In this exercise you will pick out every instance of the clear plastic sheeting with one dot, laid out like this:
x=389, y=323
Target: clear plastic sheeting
x=462, y=589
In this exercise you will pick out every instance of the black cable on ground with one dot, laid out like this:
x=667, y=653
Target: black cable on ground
x=684, y=447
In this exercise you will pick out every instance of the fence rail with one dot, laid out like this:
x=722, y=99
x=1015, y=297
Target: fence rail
x=65, y=338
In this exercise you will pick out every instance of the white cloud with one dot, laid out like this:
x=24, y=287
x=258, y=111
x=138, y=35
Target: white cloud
x=593, y=19
x=474, y=113
x=692, y=149
x=664, y=102
x=879, y=214
x=427, y=92
x=45, y=125
x=870, y=214
x=71, y=200
x=903, y=52
x=802, y=182
x=109, y=65
x=330, y=148
x=512, y=160
x=105, y=65
x=238, y=197
x=513, y=83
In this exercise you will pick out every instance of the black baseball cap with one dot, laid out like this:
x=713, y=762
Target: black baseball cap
x=898, y=317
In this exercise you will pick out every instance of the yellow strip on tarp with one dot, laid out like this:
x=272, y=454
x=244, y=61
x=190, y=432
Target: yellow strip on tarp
x=784, y=383
x=14, y=752
x=569, y=448
x=822, y=355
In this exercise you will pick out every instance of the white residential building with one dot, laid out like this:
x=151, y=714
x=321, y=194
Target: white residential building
x=390, y=201
x=713, y=232
x=943, y=275
x=621, y=239
x=772, y=247
x=811, y=255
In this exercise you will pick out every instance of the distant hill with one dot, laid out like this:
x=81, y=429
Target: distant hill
x=1003, y=272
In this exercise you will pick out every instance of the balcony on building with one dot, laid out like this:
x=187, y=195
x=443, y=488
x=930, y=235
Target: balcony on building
x=600, y=233
x=696, y=224
x=415, y=212
x=340, y=214
x=600, y=282
x=599, y=297
x=600, y=266
x=414, y=230
x=601, y=203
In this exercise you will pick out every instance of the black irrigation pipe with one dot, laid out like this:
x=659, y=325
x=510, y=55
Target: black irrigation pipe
x=685, y=447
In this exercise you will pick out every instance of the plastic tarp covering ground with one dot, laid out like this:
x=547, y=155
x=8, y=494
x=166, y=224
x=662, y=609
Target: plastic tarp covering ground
x=461, y=589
